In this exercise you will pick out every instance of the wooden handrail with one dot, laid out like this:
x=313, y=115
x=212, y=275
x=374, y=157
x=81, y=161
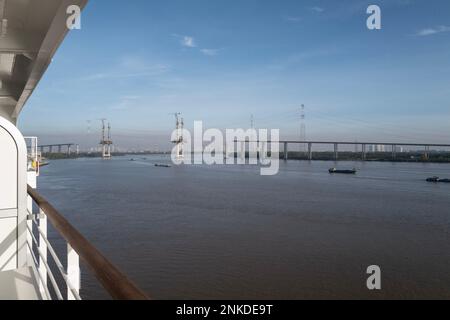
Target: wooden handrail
x=114, y=281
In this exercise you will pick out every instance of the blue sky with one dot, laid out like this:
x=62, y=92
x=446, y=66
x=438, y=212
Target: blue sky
x=134, y=62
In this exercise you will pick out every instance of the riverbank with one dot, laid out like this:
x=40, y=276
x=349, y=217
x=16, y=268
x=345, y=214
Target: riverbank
x=58, y=156
x=433, y=157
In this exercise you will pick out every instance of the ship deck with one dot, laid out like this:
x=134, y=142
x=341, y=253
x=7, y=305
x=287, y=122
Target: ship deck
x=19, y=284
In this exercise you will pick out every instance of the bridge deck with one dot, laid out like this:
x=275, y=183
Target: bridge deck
x=359, y=143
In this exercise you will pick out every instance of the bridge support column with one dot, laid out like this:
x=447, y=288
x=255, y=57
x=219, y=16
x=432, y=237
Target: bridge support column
x=242, y=155
x=336, y=156
x=394, y=152
x=310, y=151
x=50, y=149
x=69, y=149
x=427, y=153
x=41, y=149
x=59, y=149
x=363, y=152
x=285, y=151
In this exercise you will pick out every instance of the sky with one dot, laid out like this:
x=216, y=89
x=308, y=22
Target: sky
x=221, y=61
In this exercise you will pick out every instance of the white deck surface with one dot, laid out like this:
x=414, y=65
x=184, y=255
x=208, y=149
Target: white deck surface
x=19, y=284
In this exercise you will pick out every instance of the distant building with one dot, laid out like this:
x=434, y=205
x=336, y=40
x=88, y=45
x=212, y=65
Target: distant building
x=377, y=148
x=399, y=149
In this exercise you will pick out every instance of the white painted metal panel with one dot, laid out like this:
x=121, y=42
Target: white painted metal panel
x=19, y=284
x=13, y=197
x=8, y=201
x=8, y=171
x=8, y=244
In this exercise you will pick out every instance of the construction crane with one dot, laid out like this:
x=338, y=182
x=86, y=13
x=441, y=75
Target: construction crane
x=179, y=125
x=106, y=141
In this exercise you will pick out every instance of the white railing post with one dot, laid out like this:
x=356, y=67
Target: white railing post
x=43, y=249
x=29, y=237
x=32, y=181
x=73, y=271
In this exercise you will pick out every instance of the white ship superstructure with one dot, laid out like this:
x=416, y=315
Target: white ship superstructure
x=30, y=33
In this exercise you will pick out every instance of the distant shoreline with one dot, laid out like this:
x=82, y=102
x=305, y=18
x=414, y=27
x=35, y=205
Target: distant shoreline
x=414, y=157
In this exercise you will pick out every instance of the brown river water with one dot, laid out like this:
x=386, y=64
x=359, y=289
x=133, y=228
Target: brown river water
x=225, y=232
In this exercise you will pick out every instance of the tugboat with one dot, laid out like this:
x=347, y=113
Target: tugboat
x=334, y=170
x=437, y=179
x=43, y=163
x=162, y=165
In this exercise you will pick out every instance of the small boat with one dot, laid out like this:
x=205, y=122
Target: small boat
x=43, y=163
x=334, y=170
x=437, y=179
x=132, y=159
x=162, y=165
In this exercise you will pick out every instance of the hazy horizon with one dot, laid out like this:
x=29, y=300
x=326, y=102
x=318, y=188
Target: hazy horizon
x=221, y=62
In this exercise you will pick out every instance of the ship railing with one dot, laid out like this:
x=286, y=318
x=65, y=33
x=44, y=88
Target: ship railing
x=110, y=277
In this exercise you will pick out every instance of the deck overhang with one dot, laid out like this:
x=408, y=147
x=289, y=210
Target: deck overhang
x=30, y=33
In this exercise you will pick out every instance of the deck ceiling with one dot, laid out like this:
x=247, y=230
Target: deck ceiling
x=30, y=33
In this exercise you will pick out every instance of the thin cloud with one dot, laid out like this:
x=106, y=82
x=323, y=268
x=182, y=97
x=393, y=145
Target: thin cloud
x=293, y=19
x=126, y=102
x=430, y=31
x=294, y=59
x=317, y=9
x=149, y=71
x=129, y=67
x=209, y=52
x=187, y=41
